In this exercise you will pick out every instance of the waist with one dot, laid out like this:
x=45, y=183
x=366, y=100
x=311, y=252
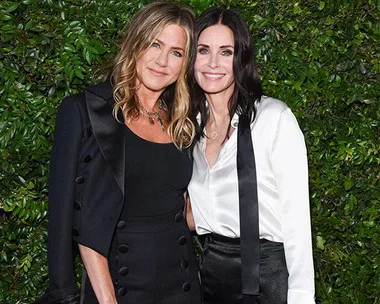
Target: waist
x=151, y=224
x=232, y=242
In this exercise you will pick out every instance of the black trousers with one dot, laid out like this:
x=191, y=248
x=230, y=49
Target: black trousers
x=220, y=270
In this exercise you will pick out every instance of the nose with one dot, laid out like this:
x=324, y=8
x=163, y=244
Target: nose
x=214, y=61
x=162, y=58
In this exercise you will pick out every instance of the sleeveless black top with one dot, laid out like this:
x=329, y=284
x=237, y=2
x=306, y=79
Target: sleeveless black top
x=156, y=177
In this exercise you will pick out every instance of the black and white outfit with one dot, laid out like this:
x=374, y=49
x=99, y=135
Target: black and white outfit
x=286, y=273
x=122, y=196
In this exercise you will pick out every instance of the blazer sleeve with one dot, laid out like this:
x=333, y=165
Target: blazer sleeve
x=63, y=168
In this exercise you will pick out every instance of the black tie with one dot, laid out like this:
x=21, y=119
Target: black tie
x=248, y=209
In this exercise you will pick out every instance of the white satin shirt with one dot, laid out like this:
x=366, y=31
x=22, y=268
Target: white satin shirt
x=283, y=191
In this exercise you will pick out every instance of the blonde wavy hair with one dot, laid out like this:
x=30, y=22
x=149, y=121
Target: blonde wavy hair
x=138, y=36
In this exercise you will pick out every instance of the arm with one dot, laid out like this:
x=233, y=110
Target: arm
x=63, y=166
x=97, y=269
x=289, y=161
x=189, y=214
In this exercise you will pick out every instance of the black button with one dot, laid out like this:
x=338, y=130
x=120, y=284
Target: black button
x=186, y=287
x=77, y=205
x=123, y=271
x=122, y=291
x=120, y=225
x=76, y=232
x=79, y=180
x=87, y=132
x=184, y=264
x=178, y=217
x=182, y=240
x=86, y=158
x=123, y=248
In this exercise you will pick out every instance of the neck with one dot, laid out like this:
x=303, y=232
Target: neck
x=148, y=104
x=218, y=106
x=148, y=99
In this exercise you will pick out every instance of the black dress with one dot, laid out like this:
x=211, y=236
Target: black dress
x=152, y=259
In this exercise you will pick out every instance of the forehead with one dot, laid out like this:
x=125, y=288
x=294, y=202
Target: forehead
x=173, y=35
x=216, y=35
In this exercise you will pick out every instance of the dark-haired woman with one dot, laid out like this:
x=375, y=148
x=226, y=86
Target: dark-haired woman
x=249, y=188
x=119, y=170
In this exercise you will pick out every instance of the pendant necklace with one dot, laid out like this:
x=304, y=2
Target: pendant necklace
x=152, y=114
x=214, y=134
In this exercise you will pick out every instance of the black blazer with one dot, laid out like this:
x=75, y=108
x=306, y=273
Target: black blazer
x=86, y=191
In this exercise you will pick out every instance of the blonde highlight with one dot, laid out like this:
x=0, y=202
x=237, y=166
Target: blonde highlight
x=138, y=36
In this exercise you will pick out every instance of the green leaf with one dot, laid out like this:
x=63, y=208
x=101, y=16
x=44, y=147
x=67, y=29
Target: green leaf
x=5, y=17
x=79, y=73
x=348, y=184
x=320, y=242
x=296, y=8
x=12, y=8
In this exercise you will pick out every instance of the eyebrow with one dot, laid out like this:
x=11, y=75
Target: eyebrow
x=173, y=47
x=221, y=47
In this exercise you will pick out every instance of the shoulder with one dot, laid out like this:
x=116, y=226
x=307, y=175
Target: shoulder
x=73, y=100
x=102, y=89
x=270, y=111
x=78, y=101
x=275, y=110
x=71, y=104
x=271, y=106
x=273, y=115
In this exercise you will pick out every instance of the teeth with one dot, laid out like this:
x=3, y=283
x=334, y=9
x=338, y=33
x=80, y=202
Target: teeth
x=215, y=76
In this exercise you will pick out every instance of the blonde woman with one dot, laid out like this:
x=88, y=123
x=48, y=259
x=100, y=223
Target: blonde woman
x=119, y=170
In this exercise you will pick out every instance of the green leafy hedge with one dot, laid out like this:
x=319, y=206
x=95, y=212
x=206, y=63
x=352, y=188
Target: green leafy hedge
x=321, y=57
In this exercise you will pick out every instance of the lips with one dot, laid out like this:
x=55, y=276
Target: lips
x=213, y=76
x=157, y=73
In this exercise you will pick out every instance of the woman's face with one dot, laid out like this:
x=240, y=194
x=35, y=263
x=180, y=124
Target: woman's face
x=160, y=65
x=214, y=62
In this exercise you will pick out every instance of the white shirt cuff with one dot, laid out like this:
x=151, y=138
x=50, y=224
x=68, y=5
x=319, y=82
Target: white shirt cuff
x=298, y=296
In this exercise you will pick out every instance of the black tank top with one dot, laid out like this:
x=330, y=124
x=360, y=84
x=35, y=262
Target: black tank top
x=156, y=176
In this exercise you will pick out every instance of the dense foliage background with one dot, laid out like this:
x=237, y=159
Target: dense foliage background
x=321, y=57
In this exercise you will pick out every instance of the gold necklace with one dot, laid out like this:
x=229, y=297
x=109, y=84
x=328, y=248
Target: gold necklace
x=153, y=113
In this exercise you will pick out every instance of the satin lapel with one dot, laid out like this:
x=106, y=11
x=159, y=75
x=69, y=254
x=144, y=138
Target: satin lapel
x=109, y=133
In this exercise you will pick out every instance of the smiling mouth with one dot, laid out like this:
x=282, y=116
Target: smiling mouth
x=213, y=76
x=157, y=73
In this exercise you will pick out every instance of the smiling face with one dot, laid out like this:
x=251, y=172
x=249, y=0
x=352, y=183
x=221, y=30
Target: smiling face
x=214, y=63
x=160, y=65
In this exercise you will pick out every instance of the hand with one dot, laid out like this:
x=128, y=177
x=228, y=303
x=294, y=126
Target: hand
x=97, y=270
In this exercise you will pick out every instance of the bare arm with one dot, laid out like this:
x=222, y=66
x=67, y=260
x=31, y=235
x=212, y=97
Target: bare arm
x=97, y=269
x=189, y=214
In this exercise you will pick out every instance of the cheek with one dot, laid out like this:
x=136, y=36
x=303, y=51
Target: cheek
x=197, y=70
x=138, y=70
x=197, y=64
x=140, y=62
x=231, y=68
